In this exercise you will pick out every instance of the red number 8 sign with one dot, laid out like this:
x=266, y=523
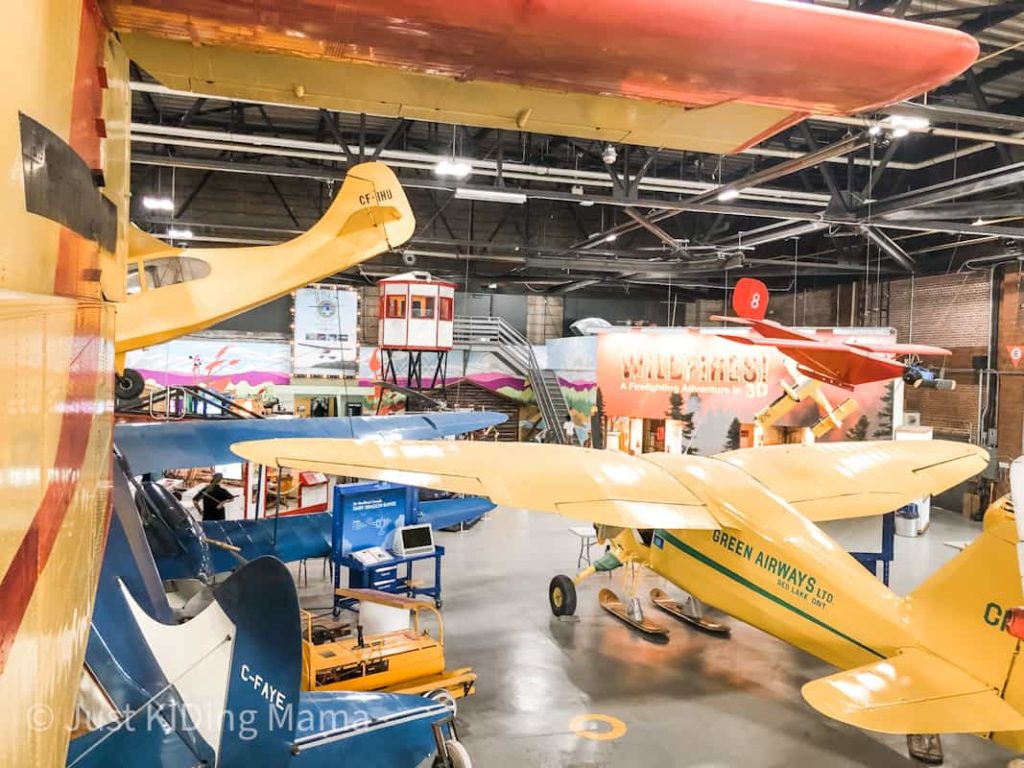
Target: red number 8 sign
x=750, y=299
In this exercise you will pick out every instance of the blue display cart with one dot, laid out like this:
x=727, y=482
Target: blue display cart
x=366, y=515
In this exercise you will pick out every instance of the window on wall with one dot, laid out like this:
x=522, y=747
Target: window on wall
x=446, y=308
x=396, y=307
x=422, y=307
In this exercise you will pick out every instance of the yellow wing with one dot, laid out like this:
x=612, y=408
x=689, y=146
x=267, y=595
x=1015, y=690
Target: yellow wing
x=912, y=692
x=597, y=486
x=836, y=481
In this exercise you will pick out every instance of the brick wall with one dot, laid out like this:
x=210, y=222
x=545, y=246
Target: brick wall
x=1011, y=379
x=950, y=311
x=814, y=307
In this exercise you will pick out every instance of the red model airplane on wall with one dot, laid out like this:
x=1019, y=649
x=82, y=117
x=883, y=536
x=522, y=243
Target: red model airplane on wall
x=841, y=363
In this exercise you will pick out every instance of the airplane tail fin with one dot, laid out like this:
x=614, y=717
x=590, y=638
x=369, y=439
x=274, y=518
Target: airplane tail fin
x=370, y=205
x=750, y=299
x=962, y=677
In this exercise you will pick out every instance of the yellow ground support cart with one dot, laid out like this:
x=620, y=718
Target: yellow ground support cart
x=406, y=660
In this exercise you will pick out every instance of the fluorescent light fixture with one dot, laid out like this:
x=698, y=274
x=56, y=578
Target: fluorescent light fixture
x=492, y=286
x=449, y=166
x=180, y=234
x=728, y=194
x=157, y=203
x=611, y=238
x=490, y=195
x=908, y=122
x=586, y=203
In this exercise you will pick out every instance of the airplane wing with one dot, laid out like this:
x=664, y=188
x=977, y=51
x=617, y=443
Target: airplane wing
x=836, y=481
x=596, y=486
x=912, y=692
x=794, y=344
x=154, y=447
x=767, y=328
x=901, y=349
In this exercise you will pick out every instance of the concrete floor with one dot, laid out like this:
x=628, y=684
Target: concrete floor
x=696, y=701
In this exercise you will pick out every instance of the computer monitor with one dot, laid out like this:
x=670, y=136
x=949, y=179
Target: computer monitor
x=414, y=540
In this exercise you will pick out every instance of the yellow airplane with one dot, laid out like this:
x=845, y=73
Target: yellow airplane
x=174, y=291
x=738, y=531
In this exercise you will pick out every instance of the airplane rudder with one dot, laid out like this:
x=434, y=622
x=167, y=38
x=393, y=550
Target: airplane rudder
x=961, y=610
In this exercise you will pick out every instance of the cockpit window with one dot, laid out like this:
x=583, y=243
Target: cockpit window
x=167, y=271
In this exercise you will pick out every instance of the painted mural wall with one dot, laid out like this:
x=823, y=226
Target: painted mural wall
x=217, y=363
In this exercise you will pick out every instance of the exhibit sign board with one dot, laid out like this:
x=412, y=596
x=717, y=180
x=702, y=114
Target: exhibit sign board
x=325, y=329
x=706, y=383
x=367, y=514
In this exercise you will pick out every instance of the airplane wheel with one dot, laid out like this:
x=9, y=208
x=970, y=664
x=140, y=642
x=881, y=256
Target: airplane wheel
x=130, y=384
x=562, y=596
x=458, y=757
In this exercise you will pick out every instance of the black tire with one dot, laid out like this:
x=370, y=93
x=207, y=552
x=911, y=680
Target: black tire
x=562, y=596
x=130, y=384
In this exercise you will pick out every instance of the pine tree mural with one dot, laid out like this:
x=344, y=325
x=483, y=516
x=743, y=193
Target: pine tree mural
x=884, y=429
x=732, y=436
x=859, y=431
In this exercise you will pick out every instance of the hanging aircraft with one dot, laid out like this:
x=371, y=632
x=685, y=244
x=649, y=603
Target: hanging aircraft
x=174, y=291
x=680, y=74
x=739, y=531
x=63, y=309
x=841, y=363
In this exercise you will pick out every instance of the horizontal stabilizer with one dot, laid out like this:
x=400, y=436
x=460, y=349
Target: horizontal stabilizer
x=912, y=692
x=837, y=481
x=605, y=487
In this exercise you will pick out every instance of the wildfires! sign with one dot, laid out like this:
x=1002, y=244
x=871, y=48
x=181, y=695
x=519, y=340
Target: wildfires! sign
x=638, y=372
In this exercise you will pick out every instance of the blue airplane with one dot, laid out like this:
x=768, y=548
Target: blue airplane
x=186, y=548
x=222, y=689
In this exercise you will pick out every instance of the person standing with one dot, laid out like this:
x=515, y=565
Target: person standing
x=570, y=431
x=214, y=497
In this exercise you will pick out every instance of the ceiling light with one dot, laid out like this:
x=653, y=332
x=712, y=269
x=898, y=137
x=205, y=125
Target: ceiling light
x=610, y=155
x=449, y=166
x=899, y=133
x=490, y=195
x=157, y=203
x=978, y=222
x=611, y=237
x=180, y=234
x=586, y=203
x=908, y=122
x=492, y=286
x=875, y=129
x=727, y=194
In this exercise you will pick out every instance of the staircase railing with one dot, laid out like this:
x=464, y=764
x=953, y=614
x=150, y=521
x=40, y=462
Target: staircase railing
x=511, y=347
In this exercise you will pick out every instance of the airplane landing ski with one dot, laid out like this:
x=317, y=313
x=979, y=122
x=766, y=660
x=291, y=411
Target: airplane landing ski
x=663, y=601
x=611, y=603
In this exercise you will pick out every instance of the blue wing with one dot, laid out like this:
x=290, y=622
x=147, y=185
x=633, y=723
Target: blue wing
x=154, y=447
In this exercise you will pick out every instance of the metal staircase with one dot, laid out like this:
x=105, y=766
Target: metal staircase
x=494, y=335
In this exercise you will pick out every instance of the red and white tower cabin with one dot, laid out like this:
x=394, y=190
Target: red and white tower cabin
x=417, y=314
